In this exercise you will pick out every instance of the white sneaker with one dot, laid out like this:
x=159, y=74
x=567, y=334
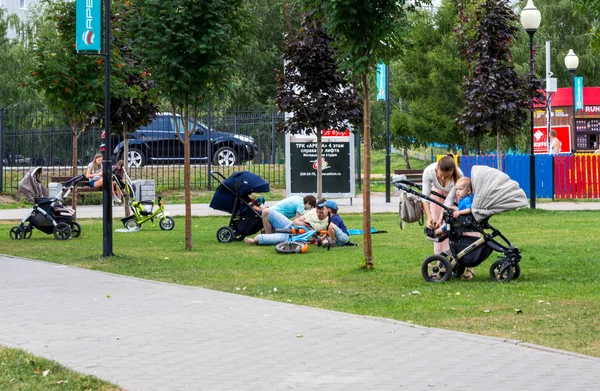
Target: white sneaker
x=116, y=200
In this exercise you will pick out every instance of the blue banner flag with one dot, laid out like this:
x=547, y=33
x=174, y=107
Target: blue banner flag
x=381, y=81
x=88, y=33
x=578, y=93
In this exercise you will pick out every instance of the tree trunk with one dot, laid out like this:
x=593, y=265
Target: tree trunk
x=188, y=194
x=368, y=250
x=406, y=161
x=319, y=134
x=499, y=148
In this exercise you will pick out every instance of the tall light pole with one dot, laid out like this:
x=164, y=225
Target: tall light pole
x=531, y=19
x=572, y=62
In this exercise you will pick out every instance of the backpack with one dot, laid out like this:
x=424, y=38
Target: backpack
x=410, y=209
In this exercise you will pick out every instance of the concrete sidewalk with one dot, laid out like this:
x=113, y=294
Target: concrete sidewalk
x=145, y=335
x=347, y=205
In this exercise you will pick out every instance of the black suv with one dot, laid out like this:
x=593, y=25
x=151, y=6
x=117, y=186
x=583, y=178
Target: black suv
x=158, y=143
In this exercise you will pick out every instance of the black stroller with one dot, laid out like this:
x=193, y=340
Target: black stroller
x=48, y=215
x=233, y=196
x=494, y=192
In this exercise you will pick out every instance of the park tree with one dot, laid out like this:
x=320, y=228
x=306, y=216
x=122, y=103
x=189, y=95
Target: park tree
x=497, y=99
x=312, y=89
x=138, y=103
x=427, y=81
x=590, y=11
x=189, y=47
x=70, y=82
x=364, y=32
x=15, y=56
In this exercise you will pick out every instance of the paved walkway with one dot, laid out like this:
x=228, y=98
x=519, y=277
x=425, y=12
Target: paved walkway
x=146, y=335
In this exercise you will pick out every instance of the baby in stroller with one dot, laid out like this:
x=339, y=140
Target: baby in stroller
x=464, y=194
x=493, y=192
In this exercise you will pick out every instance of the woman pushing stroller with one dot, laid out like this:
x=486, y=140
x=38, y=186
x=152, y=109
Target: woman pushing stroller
x=442, y=178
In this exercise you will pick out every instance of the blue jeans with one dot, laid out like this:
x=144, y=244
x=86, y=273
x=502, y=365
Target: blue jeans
x=341, y=238
x=278, y=220
x=272, y=239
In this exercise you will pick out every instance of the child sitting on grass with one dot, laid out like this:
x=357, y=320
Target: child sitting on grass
x=337, y=231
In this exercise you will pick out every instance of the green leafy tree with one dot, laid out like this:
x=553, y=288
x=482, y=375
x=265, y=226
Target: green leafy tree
x=15, y=56
x=590, y=11
x=70, y=82
x=189, y=47
x=364, y=32
x=496, y=97
x=138, y=103
x=312, y=89
x=427, y=81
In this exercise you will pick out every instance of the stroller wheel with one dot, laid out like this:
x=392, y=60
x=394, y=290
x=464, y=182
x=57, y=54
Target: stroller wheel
x=502, y=271
x=131, y=224
x=62, y=231
x=516, y=271
x=291, y=247
x=238, y=237
x=27, y=231
x=225, y=235
x=75, y=229
x=167, y=223
x=436, y=268
x=16, y=233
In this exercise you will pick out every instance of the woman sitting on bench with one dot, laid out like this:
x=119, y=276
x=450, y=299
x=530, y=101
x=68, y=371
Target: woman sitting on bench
x=94, y=174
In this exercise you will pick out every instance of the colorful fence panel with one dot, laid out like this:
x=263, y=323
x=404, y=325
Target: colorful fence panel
x=517, y=167
x=577, y=177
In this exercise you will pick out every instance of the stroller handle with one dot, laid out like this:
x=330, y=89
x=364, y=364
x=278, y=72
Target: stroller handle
x=75, y=180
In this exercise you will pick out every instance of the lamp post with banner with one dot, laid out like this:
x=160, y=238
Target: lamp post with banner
x=572, y=62
x=530, y=20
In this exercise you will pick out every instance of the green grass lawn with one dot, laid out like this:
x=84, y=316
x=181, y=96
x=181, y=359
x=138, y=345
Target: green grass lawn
x=21, y=371
x=555, y=302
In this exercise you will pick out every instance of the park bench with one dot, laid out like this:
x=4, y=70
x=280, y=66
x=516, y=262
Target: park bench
x=411, y=175
x=82, y=187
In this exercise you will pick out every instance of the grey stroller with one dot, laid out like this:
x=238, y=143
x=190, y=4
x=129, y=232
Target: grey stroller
x=494, y=192
x=48, y=214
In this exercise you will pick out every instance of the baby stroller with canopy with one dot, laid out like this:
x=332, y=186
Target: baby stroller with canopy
x=494, y=192
x=233, y=196
x=48, y=215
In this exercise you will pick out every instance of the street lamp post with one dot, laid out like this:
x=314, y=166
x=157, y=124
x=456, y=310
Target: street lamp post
x=572, y=62
x=530, y=20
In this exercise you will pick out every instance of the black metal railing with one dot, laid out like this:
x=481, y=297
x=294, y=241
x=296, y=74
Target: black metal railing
x=32, y=136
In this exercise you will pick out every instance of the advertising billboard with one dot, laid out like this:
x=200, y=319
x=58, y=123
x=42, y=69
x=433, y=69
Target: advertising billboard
x=541, y=139
x=337, y=164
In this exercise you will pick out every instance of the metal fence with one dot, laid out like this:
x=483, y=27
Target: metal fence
x=33, y=136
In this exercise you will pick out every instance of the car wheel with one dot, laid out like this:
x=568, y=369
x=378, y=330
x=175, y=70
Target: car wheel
x=136, y=158
x=225, y=156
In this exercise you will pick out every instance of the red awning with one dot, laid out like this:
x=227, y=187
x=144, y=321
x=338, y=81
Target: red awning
x=563, y=97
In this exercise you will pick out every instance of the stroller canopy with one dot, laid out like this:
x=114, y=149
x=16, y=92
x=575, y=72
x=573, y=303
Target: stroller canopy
x=240, y=184
x=494, y=192
x=31, y=185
